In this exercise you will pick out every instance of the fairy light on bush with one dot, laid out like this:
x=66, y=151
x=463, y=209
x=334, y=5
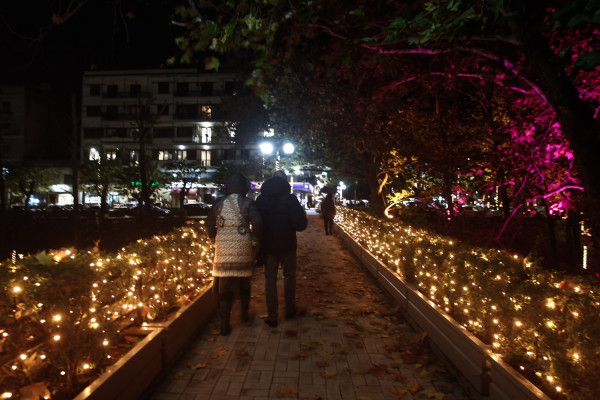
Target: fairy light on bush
x=107, y=278
x=442, y=269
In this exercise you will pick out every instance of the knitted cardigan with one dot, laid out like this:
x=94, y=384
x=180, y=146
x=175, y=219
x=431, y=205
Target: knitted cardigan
x=233, y=242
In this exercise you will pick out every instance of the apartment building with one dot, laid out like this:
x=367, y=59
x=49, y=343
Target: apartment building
x=181, y=110
x=35, y=129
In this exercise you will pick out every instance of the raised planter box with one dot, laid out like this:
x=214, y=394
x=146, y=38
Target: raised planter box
x=185, y=324
x=135, y=373
x=507, y=384
x=461, y=348
x=484, y=375
x=129, y=377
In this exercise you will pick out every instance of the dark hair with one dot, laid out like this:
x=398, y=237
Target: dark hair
x=237, y=183
x=281, y=174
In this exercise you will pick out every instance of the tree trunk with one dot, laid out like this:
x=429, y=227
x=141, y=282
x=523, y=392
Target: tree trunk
x=447, y=174
x=3, y=202
x=75, y=171
x=551, y=231
x=371, y=168
x=575, y=116
x=145, y=192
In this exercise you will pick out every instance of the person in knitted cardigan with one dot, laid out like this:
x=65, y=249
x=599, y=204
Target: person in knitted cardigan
x=236, y=227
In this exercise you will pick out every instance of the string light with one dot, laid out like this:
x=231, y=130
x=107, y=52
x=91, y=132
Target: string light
x=120, y=289
x=494, y=295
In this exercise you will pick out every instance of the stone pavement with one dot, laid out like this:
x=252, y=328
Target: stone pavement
x=351, y=344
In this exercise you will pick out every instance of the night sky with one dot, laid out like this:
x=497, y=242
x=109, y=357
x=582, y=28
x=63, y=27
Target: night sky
x=108, y=34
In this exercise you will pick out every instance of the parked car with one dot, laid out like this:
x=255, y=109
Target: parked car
x=155, y=210
x=196, y=209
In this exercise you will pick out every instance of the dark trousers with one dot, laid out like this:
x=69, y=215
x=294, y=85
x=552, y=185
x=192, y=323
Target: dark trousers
x=288, y=264
x=328, y=225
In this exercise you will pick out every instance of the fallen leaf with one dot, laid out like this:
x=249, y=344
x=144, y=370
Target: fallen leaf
x=288, y=390
x=378, y=370
x=219, y=351
x=432, y=394
x=241, y=354
x=302, y=354
x=415, y=387
x=322, y=364
x=178, y=374
x=328, y=374
x=325, y=354
x=35, y=391
x=398, y=392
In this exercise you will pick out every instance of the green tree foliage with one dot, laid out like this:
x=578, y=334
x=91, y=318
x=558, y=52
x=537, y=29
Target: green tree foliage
x=185, y=174
x=26, y=180
x=362, y=49
x=101, y=176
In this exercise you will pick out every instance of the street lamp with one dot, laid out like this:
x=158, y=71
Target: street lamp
x=341, y=188
x=288, y=148
x=267, y=148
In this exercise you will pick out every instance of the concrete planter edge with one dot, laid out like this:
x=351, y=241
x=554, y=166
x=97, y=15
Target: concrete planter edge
x=484, y=375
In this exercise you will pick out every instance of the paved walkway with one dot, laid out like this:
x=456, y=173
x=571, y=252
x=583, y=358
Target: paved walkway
x=352, y=343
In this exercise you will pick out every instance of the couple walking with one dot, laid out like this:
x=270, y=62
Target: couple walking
x=238, y=225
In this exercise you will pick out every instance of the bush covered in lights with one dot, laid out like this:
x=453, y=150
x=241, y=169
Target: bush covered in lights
x=545, y=324
x=64, y=315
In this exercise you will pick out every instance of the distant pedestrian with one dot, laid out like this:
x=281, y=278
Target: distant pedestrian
x=328, y=213
x=283, y=216
x=236, y=226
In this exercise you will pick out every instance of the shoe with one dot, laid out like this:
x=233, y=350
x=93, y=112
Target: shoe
x=225, y=330
x=271, y=323
x=295, y=313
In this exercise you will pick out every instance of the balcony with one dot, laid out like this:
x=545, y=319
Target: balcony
x=126, y=95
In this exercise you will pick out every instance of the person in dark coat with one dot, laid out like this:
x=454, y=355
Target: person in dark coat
x=236, y=226
x=328, y=213
x=283, y=216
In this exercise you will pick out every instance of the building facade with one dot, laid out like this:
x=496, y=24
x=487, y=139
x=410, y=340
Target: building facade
x=179, y=110
x=34, y=131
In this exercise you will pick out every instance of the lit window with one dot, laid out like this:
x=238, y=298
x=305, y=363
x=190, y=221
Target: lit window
x=133, y=157
x=111, y=155
x=94, y=154
x=165, y=155
x=205, y=134
x=181, y=154
x=205, y=158
x=207, y=112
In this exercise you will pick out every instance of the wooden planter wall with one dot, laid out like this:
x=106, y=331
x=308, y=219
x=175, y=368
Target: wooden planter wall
x=482, y=374
x=137, y=371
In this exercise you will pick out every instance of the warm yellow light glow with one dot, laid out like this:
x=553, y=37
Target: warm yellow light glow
x=56, y=338
x=17, y=289
x=57, y=318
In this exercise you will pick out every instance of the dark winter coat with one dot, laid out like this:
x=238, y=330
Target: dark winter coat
x=282, y=214
x=328, y=207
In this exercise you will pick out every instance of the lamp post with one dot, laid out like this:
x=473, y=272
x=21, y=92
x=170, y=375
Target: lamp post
x=341, y=188
x=267, y=148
